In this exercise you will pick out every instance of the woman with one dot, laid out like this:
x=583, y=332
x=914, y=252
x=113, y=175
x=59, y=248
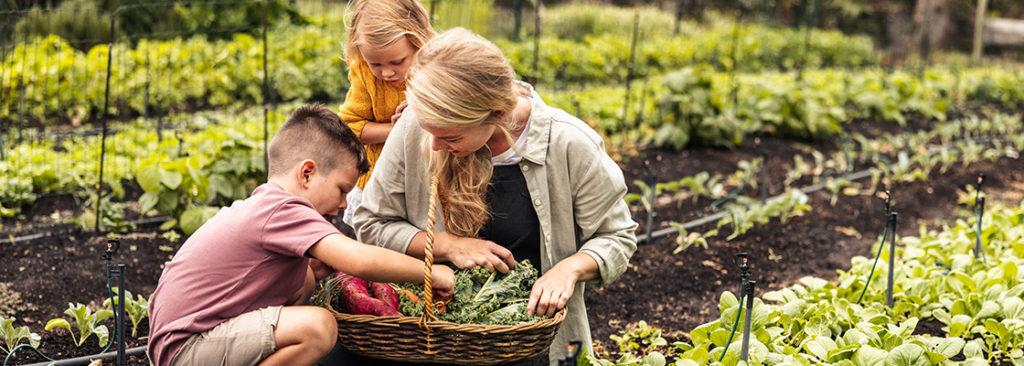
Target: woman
x=518, y=179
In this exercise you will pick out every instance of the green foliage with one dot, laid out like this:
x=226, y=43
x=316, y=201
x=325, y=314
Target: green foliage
x=12, y=336
x=175, y=74
x=86, y=322
x=80, y=21
x=483, y=297
x=136, y=308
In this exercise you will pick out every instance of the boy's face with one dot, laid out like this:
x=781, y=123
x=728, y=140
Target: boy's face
x=389, y=63
x=327, y=192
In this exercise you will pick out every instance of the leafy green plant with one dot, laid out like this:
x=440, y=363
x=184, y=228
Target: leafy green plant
x=86, y=322
x=136, y=308
x=12, y=336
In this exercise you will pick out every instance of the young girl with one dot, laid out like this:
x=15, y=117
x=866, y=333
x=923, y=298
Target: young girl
x=383, y=36
x=517, y=179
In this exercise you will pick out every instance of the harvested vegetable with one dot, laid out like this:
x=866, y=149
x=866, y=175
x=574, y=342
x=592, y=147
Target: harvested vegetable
x=355, y=299
x=385, y=293
x=481, y=297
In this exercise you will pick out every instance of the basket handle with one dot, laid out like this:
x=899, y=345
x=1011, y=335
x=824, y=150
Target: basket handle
x=428, y=258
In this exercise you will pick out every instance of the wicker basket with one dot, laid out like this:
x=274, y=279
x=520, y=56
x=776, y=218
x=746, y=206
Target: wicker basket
x=426, y=339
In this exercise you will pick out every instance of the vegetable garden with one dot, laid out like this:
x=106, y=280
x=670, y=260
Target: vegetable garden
x=779, y=160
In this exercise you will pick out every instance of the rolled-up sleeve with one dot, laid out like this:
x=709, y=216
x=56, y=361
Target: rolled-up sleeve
x=382, y=218
x=601, y=213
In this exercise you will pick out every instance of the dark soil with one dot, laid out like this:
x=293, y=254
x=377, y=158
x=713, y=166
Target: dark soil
x=674, y=292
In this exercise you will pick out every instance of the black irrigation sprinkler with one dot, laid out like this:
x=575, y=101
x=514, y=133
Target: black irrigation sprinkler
x=742, y=261
x=574, y=352
x=118, y=272
x=890, y=225
x=979, y=212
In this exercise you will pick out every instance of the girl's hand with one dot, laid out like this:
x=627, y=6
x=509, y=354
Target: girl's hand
x=470, y=252
x=398, y=111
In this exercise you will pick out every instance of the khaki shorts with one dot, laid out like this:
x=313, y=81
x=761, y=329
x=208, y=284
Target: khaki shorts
x=243, y=340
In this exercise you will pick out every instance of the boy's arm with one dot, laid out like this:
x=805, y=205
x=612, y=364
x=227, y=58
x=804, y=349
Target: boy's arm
x=377, y=264
x=357, y=111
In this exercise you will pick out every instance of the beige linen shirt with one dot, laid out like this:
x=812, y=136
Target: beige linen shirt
x=576, y=188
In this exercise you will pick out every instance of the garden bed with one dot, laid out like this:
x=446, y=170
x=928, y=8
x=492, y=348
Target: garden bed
x=675, y=292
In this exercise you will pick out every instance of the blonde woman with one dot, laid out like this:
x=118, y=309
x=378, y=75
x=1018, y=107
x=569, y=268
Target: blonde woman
x=519, y=179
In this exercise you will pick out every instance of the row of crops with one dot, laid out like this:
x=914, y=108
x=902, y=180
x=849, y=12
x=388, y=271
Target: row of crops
x=48, y=80
x=938, y=278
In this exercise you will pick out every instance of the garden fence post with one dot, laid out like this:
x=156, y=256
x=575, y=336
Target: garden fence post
x=892, y=258
x=764, y=169
x=651, y=181
x=629, y=65
x=536, y=42
x=517, y=11
x=745, y=347
x=103, y=119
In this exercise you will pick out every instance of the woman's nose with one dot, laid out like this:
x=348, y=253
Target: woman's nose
x=437, y=144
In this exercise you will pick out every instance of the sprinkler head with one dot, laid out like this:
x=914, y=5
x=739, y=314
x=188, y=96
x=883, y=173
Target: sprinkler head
x=981, y=179
x=112, y=246
x=742, y=261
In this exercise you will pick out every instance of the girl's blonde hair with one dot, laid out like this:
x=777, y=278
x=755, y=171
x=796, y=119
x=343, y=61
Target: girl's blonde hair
x=459, y=79
x=380, y=23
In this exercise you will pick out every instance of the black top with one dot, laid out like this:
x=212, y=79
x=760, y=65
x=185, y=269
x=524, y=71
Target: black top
x=513, y=224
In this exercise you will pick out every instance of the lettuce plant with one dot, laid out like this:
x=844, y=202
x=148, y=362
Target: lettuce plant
x=136, y=309
x=12, y=336
x=86, y=321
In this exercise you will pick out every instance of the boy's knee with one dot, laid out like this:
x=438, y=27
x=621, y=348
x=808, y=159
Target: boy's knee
x=324, y=328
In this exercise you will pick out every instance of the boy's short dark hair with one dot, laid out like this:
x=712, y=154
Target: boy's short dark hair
x=315, y=132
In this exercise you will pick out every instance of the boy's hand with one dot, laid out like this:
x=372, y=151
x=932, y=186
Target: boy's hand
x=320, y=269
x=443, y=281
x=398, y=111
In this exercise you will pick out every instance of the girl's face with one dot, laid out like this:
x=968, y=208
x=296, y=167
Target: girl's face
x=460, y=141
x=389, y=63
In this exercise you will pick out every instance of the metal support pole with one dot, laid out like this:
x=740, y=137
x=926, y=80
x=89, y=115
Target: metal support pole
x=517, y=12
x=892, y=258
x=536, y=42
x=749, y=293
x=629, y=65
x=119, y=271
x=979, y=249
x=266, y=94
x=651, y=180
x=764, y=169
x=103, y=119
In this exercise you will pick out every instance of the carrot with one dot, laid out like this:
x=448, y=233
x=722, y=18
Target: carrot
x=411, y=295
x=386, y=293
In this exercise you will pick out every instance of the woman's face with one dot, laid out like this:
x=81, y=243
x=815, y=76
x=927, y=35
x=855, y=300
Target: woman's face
x=460, y=141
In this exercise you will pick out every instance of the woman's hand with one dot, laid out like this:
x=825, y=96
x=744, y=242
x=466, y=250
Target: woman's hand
x=470, y=252
x=552, y=290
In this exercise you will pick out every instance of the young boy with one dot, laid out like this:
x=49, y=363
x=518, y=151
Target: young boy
x=231, y=294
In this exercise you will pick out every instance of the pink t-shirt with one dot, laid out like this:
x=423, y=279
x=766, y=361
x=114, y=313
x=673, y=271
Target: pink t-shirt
x=249, y=256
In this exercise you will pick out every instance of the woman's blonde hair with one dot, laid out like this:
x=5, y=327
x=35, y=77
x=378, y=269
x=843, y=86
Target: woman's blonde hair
x=380, y=23
x=461, y=80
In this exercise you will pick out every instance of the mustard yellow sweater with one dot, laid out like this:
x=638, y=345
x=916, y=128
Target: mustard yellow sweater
x=369, y=100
